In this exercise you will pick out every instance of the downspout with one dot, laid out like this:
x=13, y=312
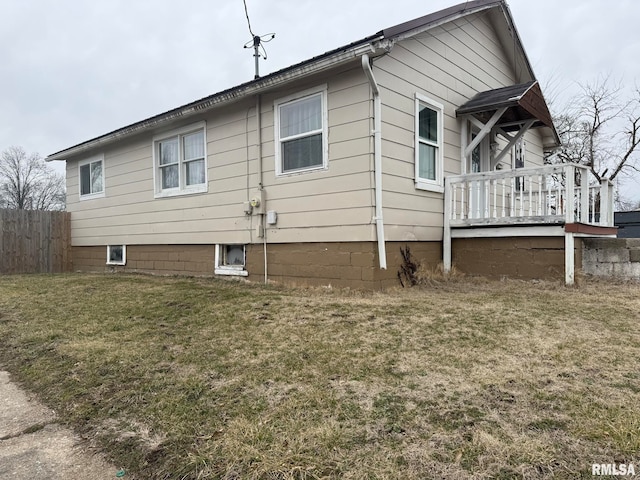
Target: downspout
x=377, y=159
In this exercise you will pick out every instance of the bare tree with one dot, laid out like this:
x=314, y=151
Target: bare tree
x=600, y=128
x=28, y=183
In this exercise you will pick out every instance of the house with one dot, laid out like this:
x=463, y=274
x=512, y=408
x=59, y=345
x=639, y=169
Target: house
x=429, y=134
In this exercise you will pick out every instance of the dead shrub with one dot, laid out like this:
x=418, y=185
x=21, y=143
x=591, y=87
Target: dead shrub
x=412, y=272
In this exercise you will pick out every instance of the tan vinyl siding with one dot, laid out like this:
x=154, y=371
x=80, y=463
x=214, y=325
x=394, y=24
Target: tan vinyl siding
x=449, y=65
x=327, y=205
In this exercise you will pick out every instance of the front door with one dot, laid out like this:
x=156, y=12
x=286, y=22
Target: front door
x=479, y=160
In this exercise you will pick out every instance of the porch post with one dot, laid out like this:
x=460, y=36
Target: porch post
x=610, y=205
x=569, y=241
x=570, y=203
x=569, y=258
x=464, y=137
x=446, y=233
x=605, y=200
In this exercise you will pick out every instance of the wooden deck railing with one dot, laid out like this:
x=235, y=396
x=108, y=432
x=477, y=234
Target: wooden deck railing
x=550, y=194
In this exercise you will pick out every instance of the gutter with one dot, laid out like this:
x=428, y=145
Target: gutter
x=377, y=159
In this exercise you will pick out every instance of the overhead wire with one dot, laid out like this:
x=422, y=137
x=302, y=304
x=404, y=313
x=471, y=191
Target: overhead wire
x=246, y=12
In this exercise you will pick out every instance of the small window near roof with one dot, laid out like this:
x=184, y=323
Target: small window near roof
x=116, y=255
x=91, y=178
x=230, y=260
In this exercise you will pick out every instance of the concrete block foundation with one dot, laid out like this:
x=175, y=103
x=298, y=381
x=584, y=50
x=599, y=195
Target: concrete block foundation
x=513, y=257
x=339, y=264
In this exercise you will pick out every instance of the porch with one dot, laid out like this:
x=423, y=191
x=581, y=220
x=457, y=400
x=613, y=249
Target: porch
x=547, y=201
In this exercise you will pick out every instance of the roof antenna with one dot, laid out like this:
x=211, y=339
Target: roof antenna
x=256, y=42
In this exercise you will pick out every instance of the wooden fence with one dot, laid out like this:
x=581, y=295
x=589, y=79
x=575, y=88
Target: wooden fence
x=34, y=241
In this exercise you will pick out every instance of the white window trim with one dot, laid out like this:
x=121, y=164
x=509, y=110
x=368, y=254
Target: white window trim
x=236, y=270
x=322, y=90
x=157, y=178
x=91, y=196
x=436, y=185
x=124, y=255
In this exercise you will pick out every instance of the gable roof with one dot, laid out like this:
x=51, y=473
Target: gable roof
x=372, y=44
x=524, y=102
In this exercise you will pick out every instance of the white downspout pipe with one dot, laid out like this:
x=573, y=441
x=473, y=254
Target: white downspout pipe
x=377, y=159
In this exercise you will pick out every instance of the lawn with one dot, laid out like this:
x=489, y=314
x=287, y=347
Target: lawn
x=197, y=378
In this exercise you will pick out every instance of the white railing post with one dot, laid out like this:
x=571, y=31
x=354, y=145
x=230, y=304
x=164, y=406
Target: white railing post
x=539, y=203
x=584, y=197
x=504, y=198
x=610, y=219
x=604, y=202
x=530, y=196
x=487, y=198
x=570, y=192
x=464, y=207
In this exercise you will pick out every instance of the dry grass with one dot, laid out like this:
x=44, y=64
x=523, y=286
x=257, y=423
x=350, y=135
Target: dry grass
x=186, y=378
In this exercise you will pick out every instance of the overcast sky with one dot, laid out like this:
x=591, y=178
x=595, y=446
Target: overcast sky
x=71, y=70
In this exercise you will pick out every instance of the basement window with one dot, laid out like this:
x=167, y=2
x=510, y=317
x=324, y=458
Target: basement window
x=231, y=260
x=116, y=254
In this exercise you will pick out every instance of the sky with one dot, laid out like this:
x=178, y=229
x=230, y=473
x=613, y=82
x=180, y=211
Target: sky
x=72, y=70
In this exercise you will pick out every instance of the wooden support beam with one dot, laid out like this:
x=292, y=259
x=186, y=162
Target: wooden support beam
x=484, y=131
x=513, y=140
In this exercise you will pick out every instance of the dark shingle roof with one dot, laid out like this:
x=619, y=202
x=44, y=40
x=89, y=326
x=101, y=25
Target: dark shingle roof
x=523, y=102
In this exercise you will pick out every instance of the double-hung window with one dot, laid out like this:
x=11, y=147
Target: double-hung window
x=301, y=132
x=91, y=175
x=180, y=161
x=428, y=144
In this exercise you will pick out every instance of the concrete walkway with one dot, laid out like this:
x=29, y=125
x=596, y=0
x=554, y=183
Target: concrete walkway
x=34, y=447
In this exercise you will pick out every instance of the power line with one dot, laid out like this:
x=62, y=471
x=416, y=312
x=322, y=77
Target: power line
x=246, y=12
